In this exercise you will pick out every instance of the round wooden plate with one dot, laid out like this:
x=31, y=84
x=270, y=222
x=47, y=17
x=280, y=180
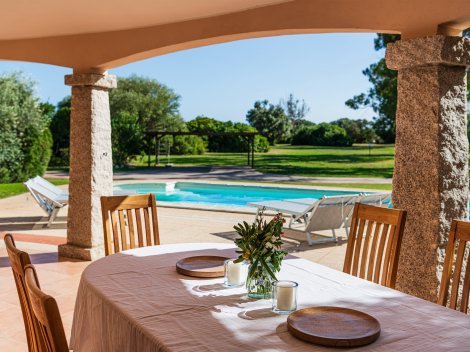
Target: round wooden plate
x=202, y=266
x=333, y=326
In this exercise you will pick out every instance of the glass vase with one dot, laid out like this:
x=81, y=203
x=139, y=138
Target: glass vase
x=259, y=284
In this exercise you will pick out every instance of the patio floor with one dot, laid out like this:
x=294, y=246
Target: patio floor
x=60, y=276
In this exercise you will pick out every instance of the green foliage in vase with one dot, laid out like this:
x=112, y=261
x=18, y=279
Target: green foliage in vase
x=260, y=244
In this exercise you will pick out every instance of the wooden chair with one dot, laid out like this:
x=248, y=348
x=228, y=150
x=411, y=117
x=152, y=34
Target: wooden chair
x=18, y=261
x=128, y=217
x=46, y=312
x=374, y=243
x=458, y=237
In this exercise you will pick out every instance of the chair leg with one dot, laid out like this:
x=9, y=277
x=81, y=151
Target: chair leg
x=335, y=239
x=311, y=241
x=309, y=238
x=52, y=217
x=291, y=220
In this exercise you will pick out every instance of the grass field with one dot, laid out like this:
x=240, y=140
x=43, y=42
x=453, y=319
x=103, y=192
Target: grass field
x=12, y=189
x=354, y=161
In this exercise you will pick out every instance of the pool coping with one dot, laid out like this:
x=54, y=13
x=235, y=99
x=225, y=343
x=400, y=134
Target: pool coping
x=228, y=209
x=253, y=184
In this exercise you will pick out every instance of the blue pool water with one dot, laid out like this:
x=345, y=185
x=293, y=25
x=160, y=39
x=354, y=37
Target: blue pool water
x=223, y=195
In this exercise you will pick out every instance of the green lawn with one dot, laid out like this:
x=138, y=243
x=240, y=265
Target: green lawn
x=285, y=159
x=12, y=189
x=302, y=160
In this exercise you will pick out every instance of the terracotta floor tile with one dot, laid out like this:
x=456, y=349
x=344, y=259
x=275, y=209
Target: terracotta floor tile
x=12, y=345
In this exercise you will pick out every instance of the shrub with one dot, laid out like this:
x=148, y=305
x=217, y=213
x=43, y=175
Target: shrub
x=24, y=133
x=261, y=144
x=60, y=158
x=227, y=144
x=187, y=145
x=324, y=134
x=359, y=131
x=60, y=130
x=302, y=136
x=126, y=137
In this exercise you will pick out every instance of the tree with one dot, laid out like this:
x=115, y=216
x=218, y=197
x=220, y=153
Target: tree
x=270, y=121
x=126, y=137
x=359, y=131
x=295, y=110
x=155, y=105
x=222, y=143
x=382, y=97
x=60, y=129
x=137, y=105
x=24, y=134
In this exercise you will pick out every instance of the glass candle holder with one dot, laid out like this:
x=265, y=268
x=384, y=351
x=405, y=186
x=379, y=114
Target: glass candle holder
x=235, y=273
x=284, y=297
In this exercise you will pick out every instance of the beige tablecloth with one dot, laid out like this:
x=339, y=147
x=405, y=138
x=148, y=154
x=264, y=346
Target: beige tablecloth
x=135, y=301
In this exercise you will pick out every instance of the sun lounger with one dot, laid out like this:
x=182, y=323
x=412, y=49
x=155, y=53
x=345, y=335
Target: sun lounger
x=295, y=210
x=377, y=199
x=327, y=213
x=330, y=213
x=306, y=201
x=48, y=196
x=51, y=198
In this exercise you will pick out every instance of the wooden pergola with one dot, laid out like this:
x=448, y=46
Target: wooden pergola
x=249, y=136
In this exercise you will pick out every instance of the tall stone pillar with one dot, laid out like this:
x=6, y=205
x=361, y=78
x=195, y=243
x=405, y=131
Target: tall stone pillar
x=91, y=168
x=430, y=180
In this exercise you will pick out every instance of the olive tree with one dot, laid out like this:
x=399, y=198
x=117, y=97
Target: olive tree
x=24, y=134
x=270, y=121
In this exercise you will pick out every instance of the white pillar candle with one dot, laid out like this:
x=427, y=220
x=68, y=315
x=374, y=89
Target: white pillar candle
x=235, y=273
x=285, y=294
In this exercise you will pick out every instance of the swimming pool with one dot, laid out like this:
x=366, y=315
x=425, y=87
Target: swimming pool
x=223, y=194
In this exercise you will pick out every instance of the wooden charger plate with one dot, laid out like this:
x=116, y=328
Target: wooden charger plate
x=333, y=326
x=202, y=266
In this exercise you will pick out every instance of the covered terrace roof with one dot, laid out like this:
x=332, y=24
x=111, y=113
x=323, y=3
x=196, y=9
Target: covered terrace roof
x=93, y=36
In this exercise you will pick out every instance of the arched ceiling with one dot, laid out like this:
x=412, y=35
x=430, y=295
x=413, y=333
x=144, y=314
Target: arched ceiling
x=90, y=35
x=21, y=19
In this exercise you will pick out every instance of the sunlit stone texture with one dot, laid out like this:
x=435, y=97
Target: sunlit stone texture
x=431, y=170
x=91, y=167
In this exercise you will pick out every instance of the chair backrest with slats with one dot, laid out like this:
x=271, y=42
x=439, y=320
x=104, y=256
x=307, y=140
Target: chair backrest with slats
x=46, y=312
x=129, y=222
x=456, y=248
x=18, y=261
x=374, y=243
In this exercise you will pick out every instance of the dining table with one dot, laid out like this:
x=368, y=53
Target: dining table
x=136, y=301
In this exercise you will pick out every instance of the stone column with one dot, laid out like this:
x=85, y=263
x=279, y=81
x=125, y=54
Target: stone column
x=91, y=167
x=430, y=180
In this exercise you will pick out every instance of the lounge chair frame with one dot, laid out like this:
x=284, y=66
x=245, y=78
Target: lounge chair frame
x=48, y=196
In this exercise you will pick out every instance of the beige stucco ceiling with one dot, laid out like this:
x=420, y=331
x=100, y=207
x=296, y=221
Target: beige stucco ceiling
x=44, y=18
x=95, y=35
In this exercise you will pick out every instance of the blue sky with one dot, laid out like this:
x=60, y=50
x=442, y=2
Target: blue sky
x=223, y=81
